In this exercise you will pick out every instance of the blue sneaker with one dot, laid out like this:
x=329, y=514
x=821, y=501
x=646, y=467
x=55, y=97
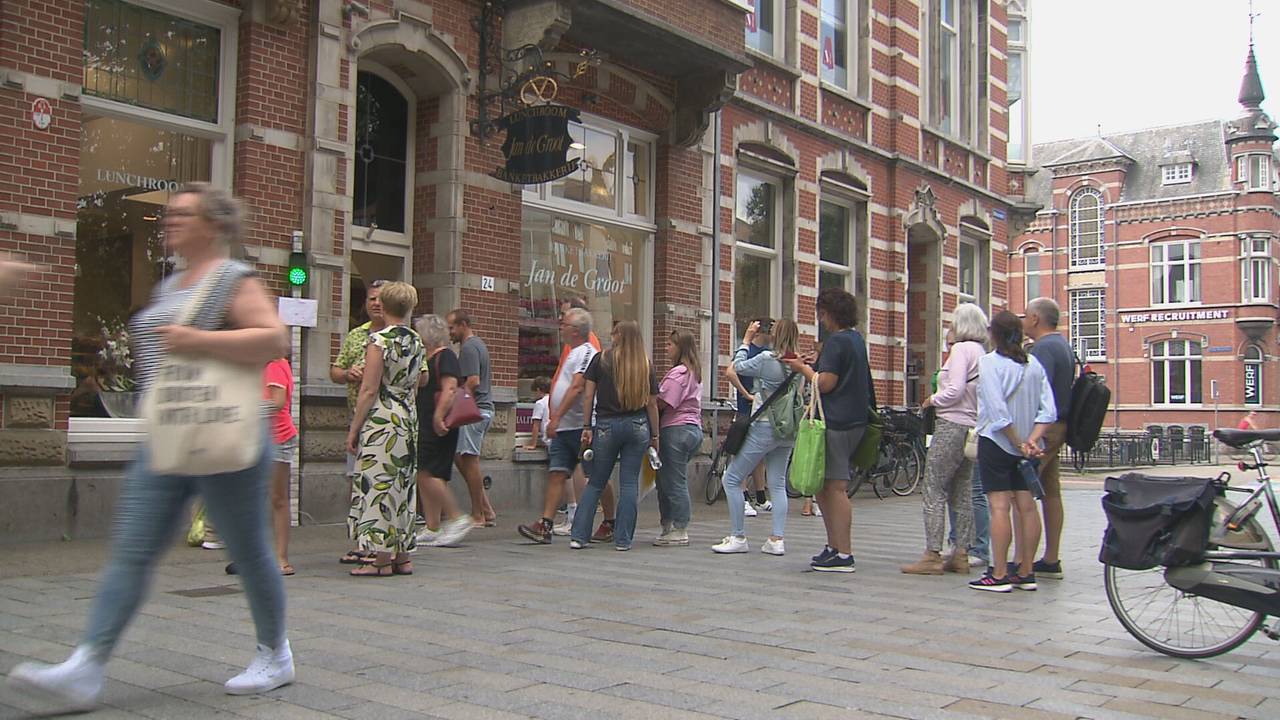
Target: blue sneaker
x=827, y=551
x=833, y=563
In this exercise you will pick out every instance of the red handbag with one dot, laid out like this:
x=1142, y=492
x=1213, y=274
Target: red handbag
x=464, y=410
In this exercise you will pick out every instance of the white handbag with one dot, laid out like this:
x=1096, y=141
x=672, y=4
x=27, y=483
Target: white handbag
x=203, y=415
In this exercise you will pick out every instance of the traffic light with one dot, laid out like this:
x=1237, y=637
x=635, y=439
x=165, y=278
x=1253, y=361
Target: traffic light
x=297, y=273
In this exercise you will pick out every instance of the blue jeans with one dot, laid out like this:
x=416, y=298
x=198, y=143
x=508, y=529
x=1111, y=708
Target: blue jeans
x=679, y=443
x=624, y=438
x=760, y=443
x=148, y=514
x=981, y=520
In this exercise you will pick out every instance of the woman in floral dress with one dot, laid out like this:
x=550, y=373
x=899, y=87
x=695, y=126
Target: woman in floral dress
x=384, y=438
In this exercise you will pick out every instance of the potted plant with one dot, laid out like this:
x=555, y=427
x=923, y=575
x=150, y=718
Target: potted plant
x=118, y=391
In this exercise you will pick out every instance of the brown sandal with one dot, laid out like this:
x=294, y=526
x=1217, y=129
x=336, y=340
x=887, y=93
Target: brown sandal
x=373, y=569
x=355, y=557
x=402, y=567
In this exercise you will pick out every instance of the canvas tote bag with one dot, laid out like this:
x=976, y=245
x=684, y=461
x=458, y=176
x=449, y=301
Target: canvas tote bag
x=203, y=415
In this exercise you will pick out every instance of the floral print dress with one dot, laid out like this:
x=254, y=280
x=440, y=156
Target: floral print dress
x=383, y=497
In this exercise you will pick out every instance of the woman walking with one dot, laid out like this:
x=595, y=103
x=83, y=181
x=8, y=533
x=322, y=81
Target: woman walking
x=947, y=471
x=437, y=442
x=680, y=411
x=1015, y=408
x=761, y=442
x=235, y=323
x=384, y=439
x=620, y=385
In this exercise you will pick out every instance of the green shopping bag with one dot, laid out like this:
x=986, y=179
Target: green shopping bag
x=809, y=458
x=868, y=452
x=195, y=535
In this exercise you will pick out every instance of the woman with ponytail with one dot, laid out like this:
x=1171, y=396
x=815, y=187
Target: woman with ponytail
x=1015, y=408
x=622, y=390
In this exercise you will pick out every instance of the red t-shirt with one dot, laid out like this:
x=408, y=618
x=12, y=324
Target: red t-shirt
x=280, y=374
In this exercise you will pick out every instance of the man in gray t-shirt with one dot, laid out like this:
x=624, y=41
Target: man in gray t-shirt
x=1040, y=323
x=473, y=358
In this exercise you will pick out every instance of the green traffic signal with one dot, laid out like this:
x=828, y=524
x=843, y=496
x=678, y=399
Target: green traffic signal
x=298, y=273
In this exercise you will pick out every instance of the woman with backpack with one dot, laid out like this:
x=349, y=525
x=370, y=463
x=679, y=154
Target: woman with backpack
x=1015, y=409
x=761, y=440
x=946, y=470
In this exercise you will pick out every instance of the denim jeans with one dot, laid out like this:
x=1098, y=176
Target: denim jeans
x=760, y=443
x=679, y=443
x=625, y=438
x=981, y=546
x=148, y=513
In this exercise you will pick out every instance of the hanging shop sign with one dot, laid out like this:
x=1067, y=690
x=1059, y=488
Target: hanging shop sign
x=537, y=144
x=1176, y=316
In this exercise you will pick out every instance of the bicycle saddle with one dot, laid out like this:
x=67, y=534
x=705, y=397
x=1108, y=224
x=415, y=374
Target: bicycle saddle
x=1241, y=438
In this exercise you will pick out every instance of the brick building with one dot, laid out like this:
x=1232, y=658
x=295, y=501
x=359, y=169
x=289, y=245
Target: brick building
x=1160, y=247
x=735, y=155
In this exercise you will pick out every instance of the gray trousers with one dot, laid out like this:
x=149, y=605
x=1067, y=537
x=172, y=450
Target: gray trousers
x=947, y=480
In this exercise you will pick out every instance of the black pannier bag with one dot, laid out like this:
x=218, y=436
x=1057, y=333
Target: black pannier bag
x=1155, y=520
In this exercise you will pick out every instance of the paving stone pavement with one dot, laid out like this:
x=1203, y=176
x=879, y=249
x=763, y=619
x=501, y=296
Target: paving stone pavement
x=504, y=629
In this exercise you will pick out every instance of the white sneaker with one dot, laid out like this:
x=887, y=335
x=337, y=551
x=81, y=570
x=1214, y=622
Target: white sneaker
x=975, y=561
x=453, y=532
x=428, y=537
x=269, y=670
x=817, y=511
x=575, y=545
x=731, y=544
x=213, y=545
x=773, y=547
x=674, y=537
x=562, y=529
x=72, y=686
x=748, y=509
x=767, y=506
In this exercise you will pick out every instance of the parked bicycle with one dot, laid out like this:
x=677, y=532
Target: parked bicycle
x=900, y=467
x=1215, y=602
x=712, y=487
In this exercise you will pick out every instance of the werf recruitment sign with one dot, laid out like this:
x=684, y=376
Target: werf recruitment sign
x=537, y=144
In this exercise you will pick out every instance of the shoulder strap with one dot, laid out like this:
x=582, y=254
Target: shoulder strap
x=774, y=396
x=207, y=283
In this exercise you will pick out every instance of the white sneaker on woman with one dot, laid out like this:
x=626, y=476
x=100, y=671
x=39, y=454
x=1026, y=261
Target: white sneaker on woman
x=453, y=532
x=731, y=544
x=774, y=547
x=71, y=686
x=749, y=510
x=269, y=670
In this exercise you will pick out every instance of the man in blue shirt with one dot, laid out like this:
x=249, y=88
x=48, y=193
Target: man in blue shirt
x=1040, y=323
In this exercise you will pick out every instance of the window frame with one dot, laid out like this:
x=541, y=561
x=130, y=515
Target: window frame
x=1177, y=173
x=1258, y=364
x=779, y=30
x=1192, y=275
x=1018, y=47
x=775, y=254
x=1078, y=262
x=1251, y=260
x=363, y=238
x=83, y=430
x=1186, y=359
x=975, y=246
x=856, y=47
x=855, y=215
x=1084, y=352
x=1027, y=274
x=962, y=116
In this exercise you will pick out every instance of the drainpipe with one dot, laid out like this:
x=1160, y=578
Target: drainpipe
x=714, y=365
x=1115, y=314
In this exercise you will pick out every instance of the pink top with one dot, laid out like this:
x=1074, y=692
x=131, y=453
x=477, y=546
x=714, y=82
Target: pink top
x=280, y=374
x=682, y=391
x=957, y=396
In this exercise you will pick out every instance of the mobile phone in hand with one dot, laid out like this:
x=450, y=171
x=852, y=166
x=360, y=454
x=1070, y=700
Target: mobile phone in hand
x=790, y=356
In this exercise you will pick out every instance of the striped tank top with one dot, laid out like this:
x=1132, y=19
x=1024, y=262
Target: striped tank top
x=168, y=301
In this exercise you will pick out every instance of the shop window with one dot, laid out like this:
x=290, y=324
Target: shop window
x=1253, y=361
x=1089, y=323
x=1175, y=174
x=1085, y=229
x=563, y=257
x=151, y=59
x=1031, y=275
x=381, y=154
x=1255, y=270
x=128, y=171
x=956, y=36
x=765, y=23
x=1176, y=372
x=1175, y=272
x=758, y=233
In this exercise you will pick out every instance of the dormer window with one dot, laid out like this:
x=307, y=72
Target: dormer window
x=1175, y=174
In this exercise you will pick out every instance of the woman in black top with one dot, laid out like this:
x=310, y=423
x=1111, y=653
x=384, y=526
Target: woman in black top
x=436, y=442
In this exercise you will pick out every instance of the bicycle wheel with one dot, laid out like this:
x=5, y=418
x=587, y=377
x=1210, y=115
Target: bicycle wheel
x=713, y=490
x=857, y=476
x=1078, y=460
x=1178, y=623
x=908, y=470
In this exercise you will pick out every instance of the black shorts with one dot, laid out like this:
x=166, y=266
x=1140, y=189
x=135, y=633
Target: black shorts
x=435, y=453
x=997, y=468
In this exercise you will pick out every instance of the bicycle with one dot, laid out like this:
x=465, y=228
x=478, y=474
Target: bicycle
x=1199, y=611
x=712, y=488
x=900, y=465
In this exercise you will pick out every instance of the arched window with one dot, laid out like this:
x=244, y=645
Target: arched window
x=1086, y=228
x=1253, y=358
x=382, y=154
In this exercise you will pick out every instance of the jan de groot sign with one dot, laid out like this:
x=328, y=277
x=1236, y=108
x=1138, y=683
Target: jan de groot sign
x=537, y=142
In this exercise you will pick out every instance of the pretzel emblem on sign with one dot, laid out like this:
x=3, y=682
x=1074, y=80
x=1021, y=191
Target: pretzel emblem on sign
x=539, y=89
